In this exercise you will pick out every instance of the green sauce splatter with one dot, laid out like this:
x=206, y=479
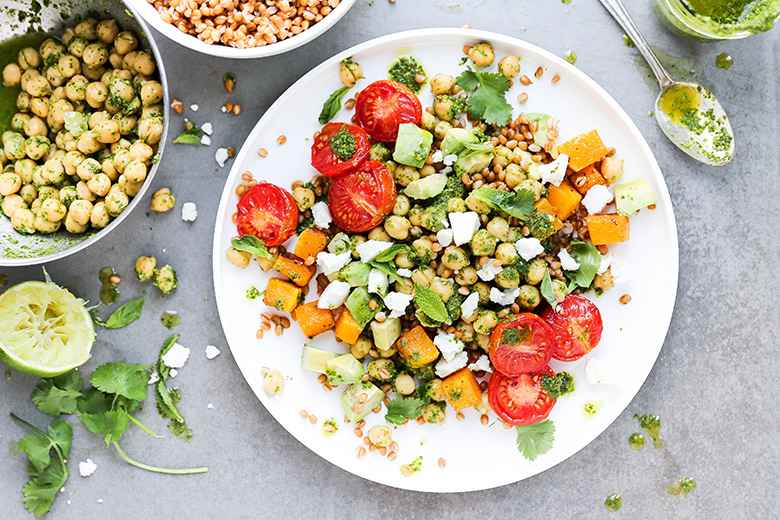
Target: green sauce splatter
x=651, y=424
x=570, y=56
x=613, y=502
x=405, y=70
x=683, y=487
x=253, y=293
x=3, y=280
x=637, y=441
x=109, y=294
x=591, y=409
x=329, y=427
x=724, y=61
x=627, y=41
x=170, y=319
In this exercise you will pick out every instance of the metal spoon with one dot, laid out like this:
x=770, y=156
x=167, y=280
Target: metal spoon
x=688, y=114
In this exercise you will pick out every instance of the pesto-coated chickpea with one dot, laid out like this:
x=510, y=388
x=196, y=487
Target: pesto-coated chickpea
x=427, y=170
x=44, y=192
x=483, y=406
x=76, y=46
x=44, y=226
x=354, y=241
x=96, y=94
x=533, y=186
x=35, y=126
x=382, y=370
x=23, y=101
x=304, y=198
x=67, y=36
x=88, y=168
x=402, y=260
x=40, y=106
x=135, y=171
x=80, y=211
x=165, y=279
x=83, y=192
x=422, y=247
x=28, y=193
x=404, y=384
x=404, y=175
x=435, y=413
x=50, y=49
x=107, y=132
x=466, y=276
x=99, y=184
x=415, y=215
x=238, y=258
x=65, y=140
x=58, y=110
x=144, y=268
x=454, y=258
x=131, y=189
x=380, y=435
x=98, y=117
x=612, y=169
x=115, y=59
x=24, y=169
x=92, y=74
x=402, y=205
x=152, y=111
x=14, y=145
x=482, y=54
x=144, y=64
x=12, y=203
x=499, y=228
x=127, y=124
x=486, y=321
x=122, y=89
x=397, y=227
x=506, y=253
x=466, y=331
x=405, y=287
x=12, y=75
x=502, y=156
x=442, y=84
x=27, y=76
x=74, y=227
x=116, y=202
x=54, y=171
x=475, y=204
x=141, y=151
x=513, y=175
x=150, y=130
x=428, y=121
x=29, y=58
x=443, y=287
x=483, y=289
x=509, y=66
x=37, y=146
x=86, y=29
x=125, y=75
x=151, y=93
x=529, y=297
x=76, y=88
x=23, y=221
x=125, y=42
x=88, y=143
x=560, y=289
x=18, y=121
x=95, y=55
x=273, y=382
x=163, y=200
x=456, y=205
x=10, y=183
x=38, y=86
x=361, y=348
x=508, y=278
x=100, y=217
x=483, y=243
x=349, y=72
x=38, y=178
x=379, y=233
x=68, y=66
x=441, y=129
x=67, y=195
x=536, y=270
x=423, y=276
x=446, y=107
x=106, y=31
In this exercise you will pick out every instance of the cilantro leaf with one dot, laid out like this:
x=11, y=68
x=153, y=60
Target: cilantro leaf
x=37, y=447
x=40, y=492
x=332, y=105
x=115, y=423
x=124, y=315
x=535, y=439
x=430, y=303
x=547, y=290
x=400, y=410
x=121, y=378
x=519, y=204
x=58, y=395
x=61, y=433
x=590, y=260
x=251, y=244
x=487, y=101
x=189, y=137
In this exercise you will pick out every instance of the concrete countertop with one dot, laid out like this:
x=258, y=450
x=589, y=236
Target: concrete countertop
x=713, y=384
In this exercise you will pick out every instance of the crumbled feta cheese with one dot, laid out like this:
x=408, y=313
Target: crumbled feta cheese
x=446, y=170
x=602, y=372
x=153, y=378
x=438, y=156
x=553, y=172
x=207, y=128
x=488, y=271
x=406, y=273
x=331, y=263
x=173, y=372
x=397, y=303
x=444, y=237
x=224, y=109
x=469, y=305
x=507, y=297
x=620, y=270
x=483, y=363
x=194, y=107
x=445, y=368
x=567, y=261
x=100, y=500
x=176, y=356
x=212, y=351
x=604, y=264
x=596, y=198
x=377, y=282
x=448, y=345
x=189, y=212
x=205, y=140
x=210, y=406
x=87, y=468
x=464, y=225
x=62, y=489
x=321, y=214
x=335, y=294
x=529, y=248
x=450, y=159
x=370, y=249
x=221, y=156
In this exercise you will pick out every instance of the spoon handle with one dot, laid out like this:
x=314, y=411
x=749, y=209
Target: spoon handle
x=619, y=13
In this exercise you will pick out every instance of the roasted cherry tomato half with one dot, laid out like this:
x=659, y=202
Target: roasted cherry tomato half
x=267, y=212
x=360, y=199
x=577, y=326
x=520, y=400
x=522, y=345
x=383, y=106
x=338, y=148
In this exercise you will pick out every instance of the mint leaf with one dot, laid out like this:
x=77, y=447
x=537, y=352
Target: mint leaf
x=430, y=303
x=124, y=315
x=546, y=288
x=389, y=254
x=189, y=137
x=589, y=258
x=332, y=105
x=58, y=395
x=535, y=439
x=388, y=268
x=400, y=410
x=487, y=101
x=163, y=371
x=251, y=244
x=520, y=204
x=121, y=378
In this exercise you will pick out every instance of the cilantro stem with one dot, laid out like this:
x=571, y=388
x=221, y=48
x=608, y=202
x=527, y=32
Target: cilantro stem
x=156, y=469
x=19, y=419
x=54, y=445
x=144, y=428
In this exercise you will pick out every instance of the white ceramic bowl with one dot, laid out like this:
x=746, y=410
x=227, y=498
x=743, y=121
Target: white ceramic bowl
x=152, y=17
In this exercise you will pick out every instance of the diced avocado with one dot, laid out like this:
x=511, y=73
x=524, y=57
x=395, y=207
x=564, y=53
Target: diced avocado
x=358, y=305
x=355, y=274
x=316, y=359
x=540, y=136
x=633, y=196
x=386, y=333
x=473, y=163
x=532, y=166
x=426, y=187
x=455, y=139
x=412, y=145
x=344, y=370
x=359, y=399
x=338, y=244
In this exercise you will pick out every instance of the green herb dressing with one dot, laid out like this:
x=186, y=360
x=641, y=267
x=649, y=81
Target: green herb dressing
x=734, y=12
x=570, y=56
x=591, y=409
x=683, y=487
x=724, y=61
x=651, y=424
x=627, y=41
x=9, y=51
x=613, y=502
x=170, y=319
x=637, y=441
x=109, y=294
x=405, y=70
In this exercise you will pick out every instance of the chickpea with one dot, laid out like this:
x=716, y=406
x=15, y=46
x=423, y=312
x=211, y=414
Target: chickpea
x=92, y=74
x=107, y=132
x=29, y=58
x=502, y=156
x=44, y=226
x=80, y=211
x=115, y=59
x=76, y=46
x=151, y=93
x=404, y=175
x=486, y=321
x=100, y=217
x=38, y=86
x=23, y=221
x=106, y=31
x=238, y=258
x=483, y=406
x=441, y=129
x=127, y=124
x=38, y=178
x=435, y=413
x=68, y=195
x=53, y=210
x=506, y=253
x=513, y=175
x=76, y=88
x=404, y=384
x=40, y=106
x=443, y=287
x=150, y=130
x=536, y=270
x=428, y=121
x=273, y=382
x=24, y=168
x=447, y=107
x=560, y=289
x=415, y=215
x=304, y=198
x=382, y=370
x=116, y=202
x=499, y=228
x=97, y=118
x=442, y=84
x=380, y=435
x=144, y=64
x=12, y=75
x=12, y=203
x=99, y=184
x=454, y=258
x=88, y=143
x=483, y=290
x=423, y=276
x=533, y=172
x=28, y=193
x=402, y=261
x=83, y=192
x=96, y=94
x=72, y=226
x=152, y=111
x=466, y=330
x=122, y=89
x=144, y=267
x=427, y=170
x=529, y=296
x=402, y=205
x=163, y=200
x=23, y=101
x=612, y=169
x=483, y=243
x=475, y=204
x=95, y=55
x=534, y=187
x=125, y=42
x=86, y=29
x=508, y=278
x=361, y=348
x=604, y=281
x=10, y=183
x=482, y=54
x=88, y=168
x=68, y=66
x=422, y=247
x=14, y=145
x=37, y=146
x=18, y=121
x=405, y=287
x=509, y=66
x=140, y=151
x=131, y=189
x=350, y=72
x=397, y=227
x=354, y=241
x=27, y=76
x=35, y=126
x=53, y=171
x=466, y=276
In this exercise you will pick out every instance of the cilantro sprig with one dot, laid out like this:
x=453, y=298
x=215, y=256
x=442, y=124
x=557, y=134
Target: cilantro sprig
x=488, y=99
x=535, y=439
x=400, y=410
x=168, y=398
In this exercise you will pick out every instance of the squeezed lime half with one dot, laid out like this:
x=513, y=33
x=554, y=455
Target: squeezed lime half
x=44, y=330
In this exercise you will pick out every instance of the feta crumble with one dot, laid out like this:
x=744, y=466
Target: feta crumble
x=507, y=297
x=331, y=263
x=377, y=282
x=448, y=345
x=205, y=140
x=212, y=351
x=568, y=262
x=464, y=225
x=221, y=156
x=153, y=378
x=189, y=212
x=194, y=107
x=321, y=214
x=173, y=372
x=405, y=273
x=176, y=357
x=488, y=271
x=620, y=270
x=438, y=156
x=601, y=372
x=444, y=237
x=469, y=305
x=529, y=248
x=335, y=294
x=397, y=303
x=445, y=368
x=450, y=159
x=483, y=363
x=604, y=264
x=553, y=172
x=210, y=406
x=597, y=198
x=370, y=249
x=87, y=468
x=207, y=128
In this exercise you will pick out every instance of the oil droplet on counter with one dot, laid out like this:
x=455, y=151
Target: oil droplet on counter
x=683, y=487
x=650, y=114
x=627, y=41
x=570, y=56
x=170, y=319
x=637, y=441
x=109, y=294
x=3, y=280
x=651, y=424
x=724, y=61
x=613, y=502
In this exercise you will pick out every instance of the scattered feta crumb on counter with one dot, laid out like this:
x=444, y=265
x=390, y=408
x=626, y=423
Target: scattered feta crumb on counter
x=174, y=372
x=87, y=468
x=568, y=263
x=448, y=345
x=335, y=294
x=176, y=357
x=212, y=351
x=620, y=270
x=224, y=109
x=189, y=212
x=483, y=363
x=597, y=198
x=331, y=263
x=210, y=406
x=321, y=215
x=553, y=172
x=488, y=271
x=370, y=249
x=406, y=273
x=153, y=378
x=464, y=225
x=221, y=156
x=397, y=303
x=445, y=368
x=207, y=128
x=507, y=297
x=194, y=107
x=602, y=372
x=377, y=282
x=529, y=248
x=444, y=237
x=205, y=140
x=100, y=500
x=470, y=304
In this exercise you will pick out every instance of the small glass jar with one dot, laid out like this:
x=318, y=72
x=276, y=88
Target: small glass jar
x=717, y=19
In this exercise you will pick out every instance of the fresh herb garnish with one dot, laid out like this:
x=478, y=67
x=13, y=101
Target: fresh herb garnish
x=168, y=398
x=251, y=244
x=124, y=315
x=191, y=136
x=388, y=268
x=590, y=260
x=519, y=204
x=400, y=410
x=58, y=395
x=547, y=290
x=332, y=105
x=390, y=253
x=487, y=101
x=535, y=439
x=430, y=303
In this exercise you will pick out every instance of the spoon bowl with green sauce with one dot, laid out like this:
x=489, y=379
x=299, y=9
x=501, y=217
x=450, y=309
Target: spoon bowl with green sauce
x=687, y=113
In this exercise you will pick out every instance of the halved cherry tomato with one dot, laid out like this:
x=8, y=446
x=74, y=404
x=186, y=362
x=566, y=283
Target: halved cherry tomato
x=577, y=326
x=267, y=212
x=520, y=400
x=360, y=199
x=521, y=345
x=382, y=106
x=327, y=161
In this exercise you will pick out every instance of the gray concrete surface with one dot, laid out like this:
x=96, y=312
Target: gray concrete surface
x=713, y=384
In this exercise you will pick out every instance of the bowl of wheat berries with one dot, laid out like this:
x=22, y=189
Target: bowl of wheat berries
x=242, y=28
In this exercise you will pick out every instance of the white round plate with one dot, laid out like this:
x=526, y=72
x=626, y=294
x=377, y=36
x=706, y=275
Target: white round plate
x=477, y=456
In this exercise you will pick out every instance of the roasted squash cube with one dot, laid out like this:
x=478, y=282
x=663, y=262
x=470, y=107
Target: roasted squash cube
x=416, y=348
x=294, y=268
x=461, y=389
x=314, y=320
x=281, y=295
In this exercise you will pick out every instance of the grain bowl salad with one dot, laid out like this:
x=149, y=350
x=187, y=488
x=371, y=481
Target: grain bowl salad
x=450, y=248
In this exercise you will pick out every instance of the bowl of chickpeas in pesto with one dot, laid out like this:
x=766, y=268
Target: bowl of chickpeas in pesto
x=83, y=119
